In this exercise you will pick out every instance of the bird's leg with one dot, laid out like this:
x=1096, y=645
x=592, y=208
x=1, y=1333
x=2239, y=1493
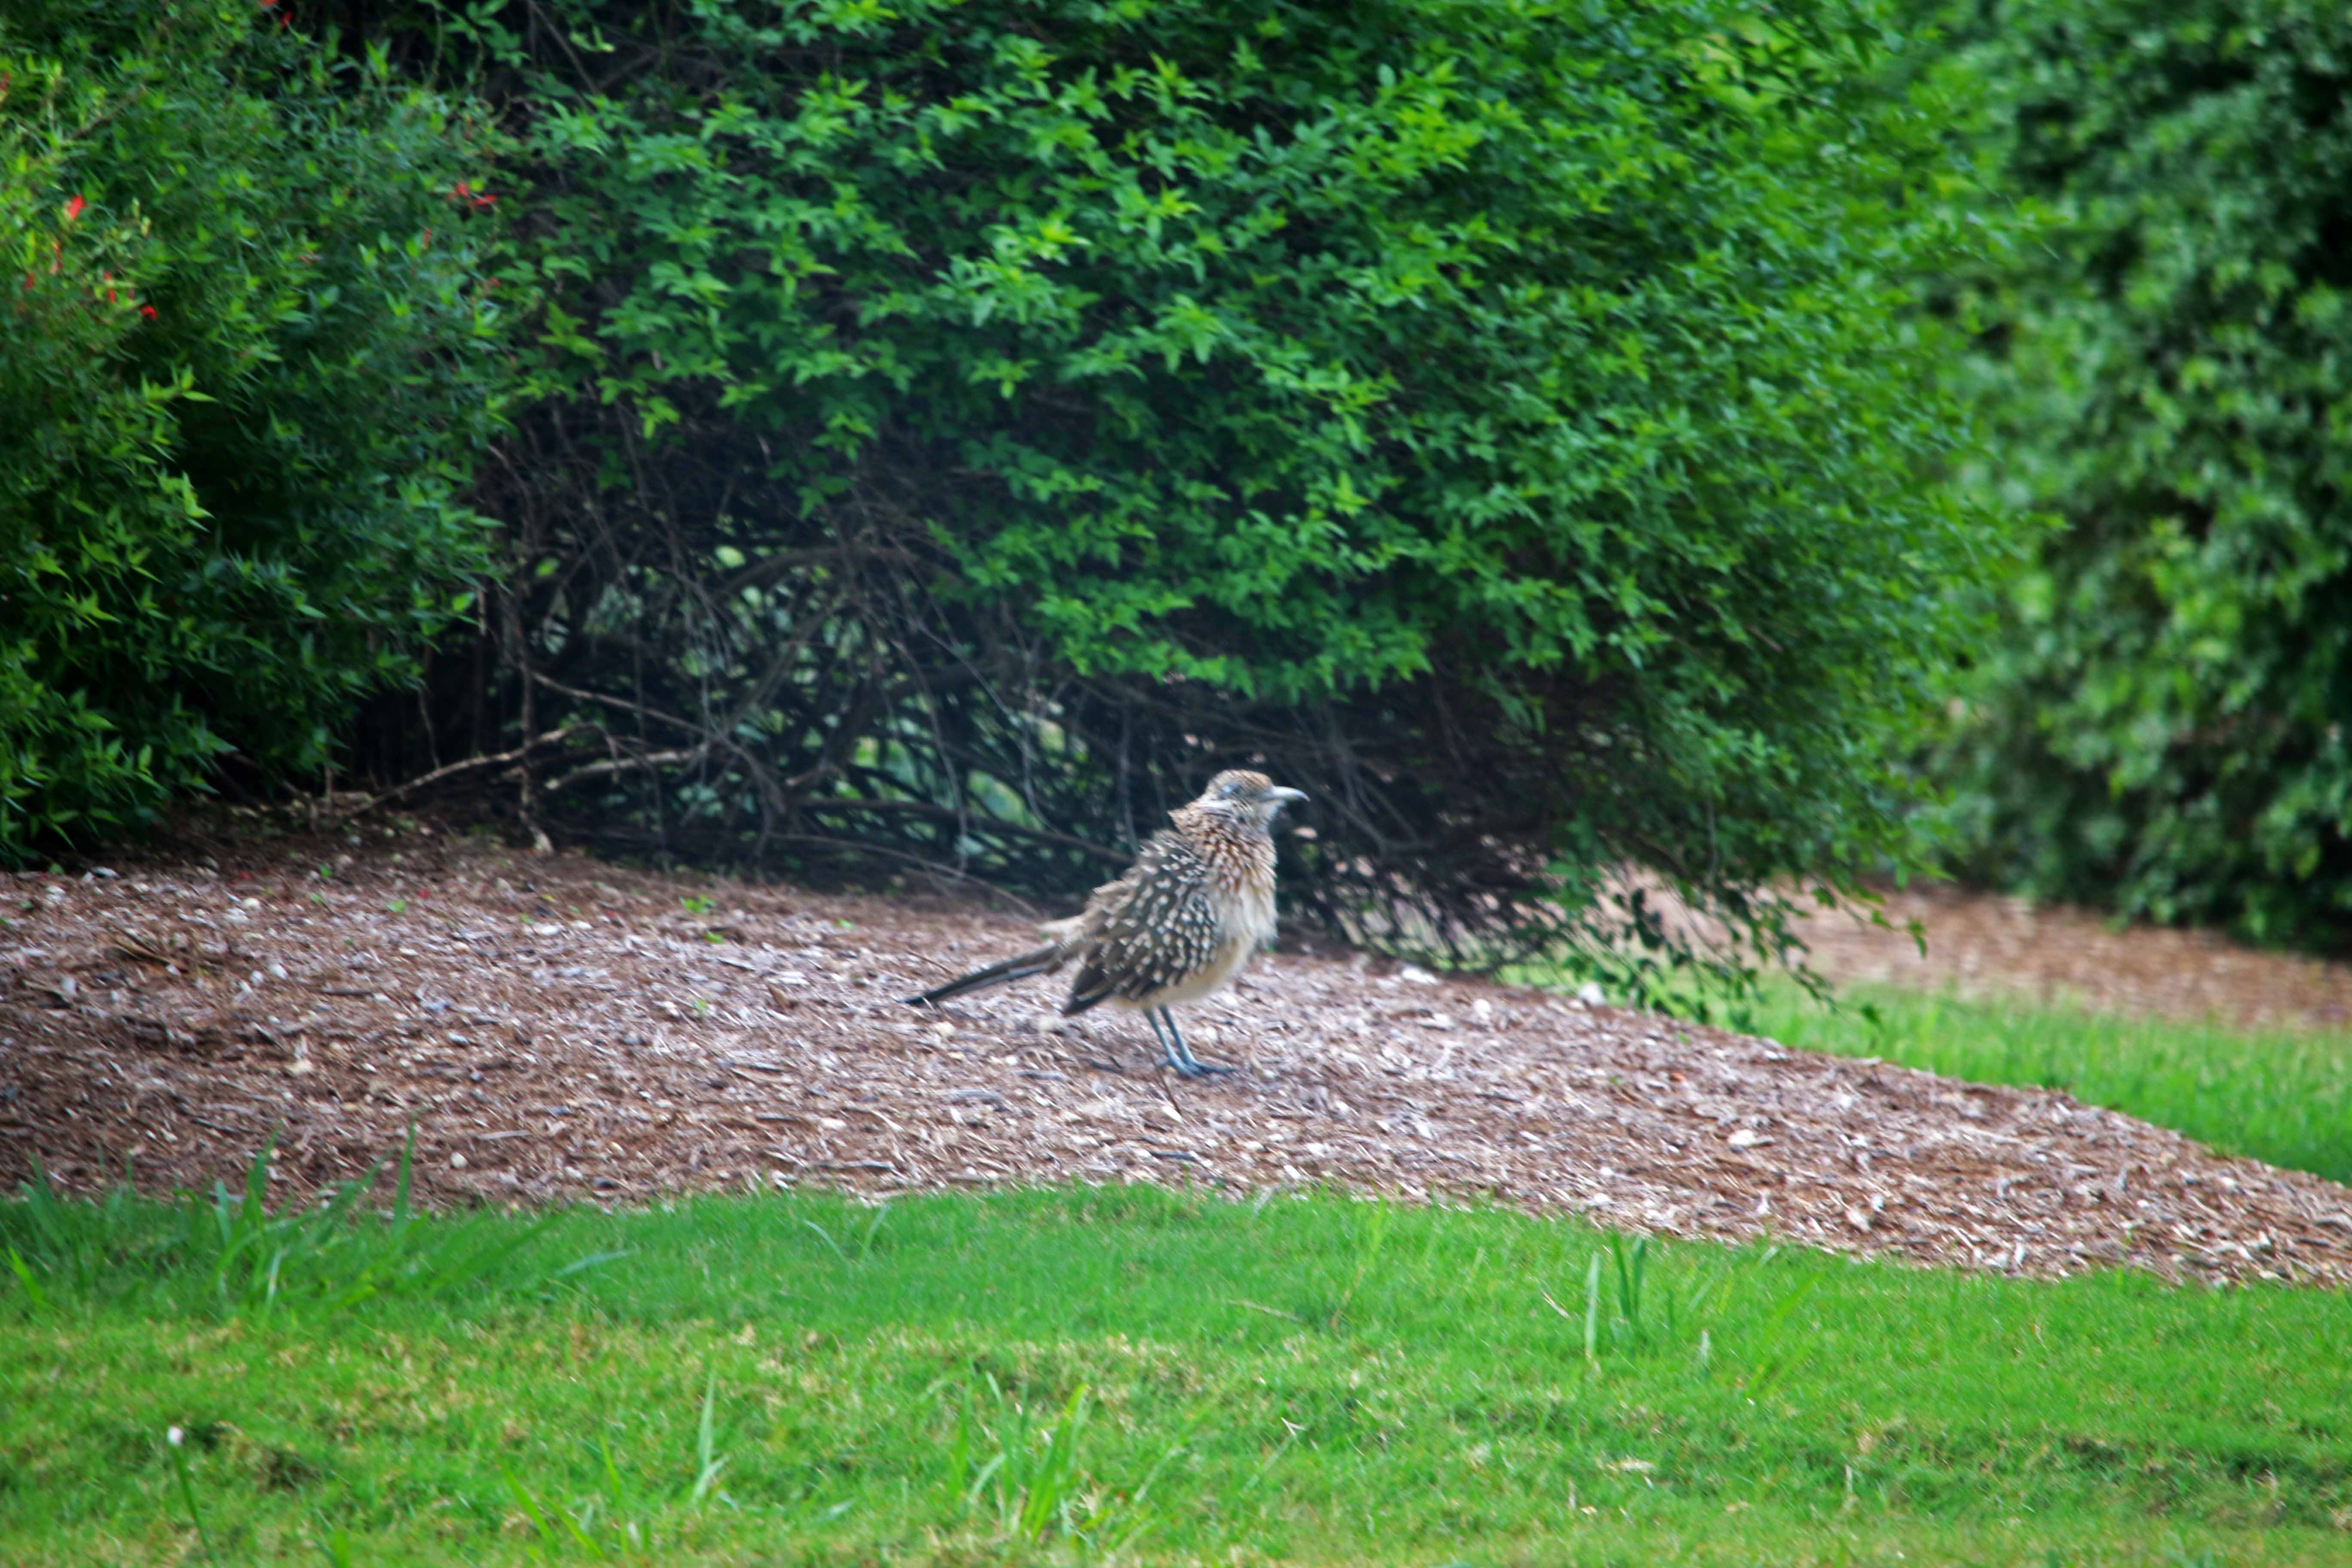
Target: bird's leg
x=1177, y=1056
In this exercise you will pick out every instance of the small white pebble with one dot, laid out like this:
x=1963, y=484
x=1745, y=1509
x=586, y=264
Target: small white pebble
x=175, y=1434
x=1590, y=994
x=1413, y=973
x=457, y=1161
x=277, y=972
x=253, y=903
x=1745, y=1138
x=254, y=978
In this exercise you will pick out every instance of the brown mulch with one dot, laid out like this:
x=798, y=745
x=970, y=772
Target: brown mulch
x=1994, y=948
x=556, y=1027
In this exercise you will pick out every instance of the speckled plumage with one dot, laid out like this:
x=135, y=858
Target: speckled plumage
x=1180, y=924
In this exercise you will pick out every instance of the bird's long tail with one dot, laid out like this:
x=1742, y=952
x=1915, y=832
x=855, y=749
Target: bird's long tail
x=1042, y=961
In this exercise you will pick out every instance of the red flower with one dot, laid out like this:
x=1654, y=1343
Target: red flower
x=73, y=208
x=148, y=311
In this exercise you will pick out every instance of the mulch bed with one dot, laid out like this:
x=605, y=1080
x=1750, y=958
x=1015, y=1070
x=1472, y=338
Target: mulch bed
x=1995, y=948
x=559, y=1028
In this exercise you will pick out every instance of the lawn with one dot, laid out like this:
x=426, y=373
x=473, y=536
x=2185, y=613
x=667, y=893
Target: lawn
x=2279, y=1097
x=1134, y=1374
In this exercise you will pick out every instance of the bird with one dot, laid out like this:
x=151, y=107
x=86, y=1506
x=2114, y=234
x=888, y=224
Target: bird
x=1182, y=921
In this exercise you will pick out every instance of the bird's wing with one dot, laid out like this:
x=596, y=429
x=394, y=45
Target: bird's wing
x=1152, y=927
x=1073, y=934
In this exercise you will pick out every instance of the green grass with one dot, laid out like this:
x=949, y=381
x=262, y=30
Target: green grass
x=1125, y=1374
x=1137, y=1375
x=2279, y=1097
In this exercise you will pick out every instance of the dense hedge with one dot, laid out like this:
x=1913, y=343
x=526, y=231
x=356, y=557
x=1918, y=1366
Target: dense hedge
x=2160, y=727
x=963, y=427
x=246, y=368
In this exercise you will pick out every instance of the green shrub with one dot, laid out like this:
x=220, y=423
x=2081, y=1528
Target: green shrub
x=2159, y=728
x=246, y=367
x=966, y=425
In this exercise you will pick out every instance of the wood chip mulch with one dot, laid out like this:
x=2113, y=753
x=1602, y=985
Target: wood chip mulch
x=1997, y=949
x=559, y=1028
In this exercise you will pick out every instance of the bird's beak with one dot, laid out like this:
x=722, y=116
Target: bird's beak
x=1281, y=797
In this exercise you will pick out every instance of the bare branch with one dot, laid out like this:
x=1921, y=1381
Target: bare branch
x=466, y=765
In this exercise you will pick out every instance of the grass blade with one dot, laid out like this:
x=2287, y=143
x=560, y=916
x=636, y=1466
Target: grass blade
x=826, y=1236
x=528, y=1504
x=980, y=1482
x=866, y=1246
x=708, y=1461
x=400, y=1188
x=1592, y=1309
x=1055, y=1481
x=188, y=1494
x=24, y=1272
x=593, y=1260
x=1368, y=1252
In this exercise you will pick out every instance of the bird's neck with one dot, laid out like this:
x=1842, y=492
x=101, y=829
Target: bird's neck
x=1238, y=854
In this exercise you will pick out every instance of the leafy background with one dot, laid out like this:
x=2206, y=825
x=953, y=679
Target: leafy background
x=2159, y=726
x=1769, y=451
x=958, y=432
x=250, y=367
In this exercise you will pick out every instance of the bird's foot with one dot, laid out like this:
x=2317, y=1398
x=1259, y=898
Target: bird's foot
x=1174, y=1052
x=1189, y=1066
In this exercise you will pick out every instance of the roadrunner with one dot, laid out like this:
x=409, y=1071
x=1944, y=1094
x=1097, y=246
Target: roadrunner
x=1188, y=914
